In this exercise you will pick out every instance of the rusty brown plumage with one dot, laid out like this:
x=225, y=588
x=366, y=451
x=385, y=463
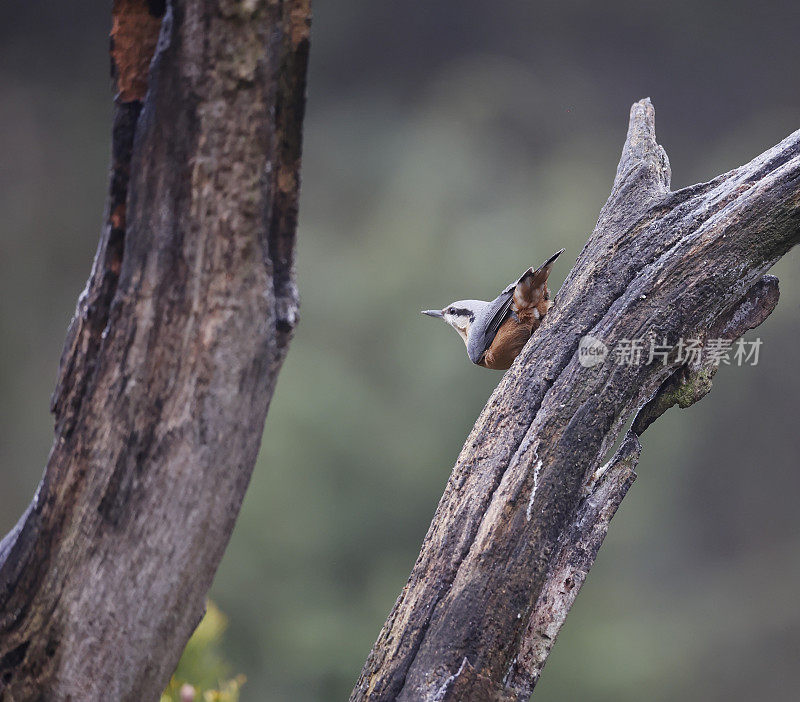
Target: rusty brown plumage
x=531, y=303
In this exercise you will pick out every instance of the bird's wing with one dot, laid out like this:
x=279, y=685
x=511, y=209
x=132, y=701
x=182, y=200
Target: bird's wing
x=500, y=316
x=487, y=322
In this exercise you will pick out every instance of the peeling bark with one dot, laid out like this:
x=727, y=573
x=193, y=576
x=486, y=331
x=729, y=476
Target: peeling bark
x=172, y=355
x=530, y=498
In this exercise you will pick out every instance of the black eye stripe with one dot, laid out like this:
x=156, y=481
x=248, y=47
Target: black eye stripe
x=461, y=312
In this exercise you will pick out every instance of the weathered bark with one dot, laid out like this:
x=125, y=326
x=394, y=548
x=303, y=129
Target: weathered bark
x=172, y=356
x=530, y=498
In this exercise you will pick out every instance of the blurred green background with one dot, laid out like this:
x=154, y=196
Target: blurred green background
x=448, y=146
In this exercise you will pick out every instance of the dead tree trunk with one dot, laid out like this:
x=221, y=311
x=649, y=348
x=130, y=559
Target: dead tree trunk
x=530, y=498
x=172, y=356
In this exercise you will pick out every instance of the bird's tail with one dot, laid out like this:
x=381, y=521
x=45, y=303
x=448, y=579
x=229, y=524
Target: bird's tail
x=531, y=288
x=548, y=264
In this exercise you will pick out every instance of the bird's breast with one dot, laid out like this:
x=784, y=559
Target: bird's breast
x=510, y=339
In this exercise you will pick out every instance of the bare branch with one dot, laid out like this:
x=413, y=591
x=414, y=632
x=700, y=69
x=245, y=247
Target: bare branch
x=488, y=584
x=689, y=384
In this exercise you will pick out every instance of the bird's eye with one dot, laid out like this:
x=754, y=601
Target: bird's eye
x=451, y=310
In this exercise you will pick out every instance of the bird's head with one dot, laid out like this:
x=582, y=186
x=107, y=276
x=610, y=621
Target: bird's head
x=459, y=315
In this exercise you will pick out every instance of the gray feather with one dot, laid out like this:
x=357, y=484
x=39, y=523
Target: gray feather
x=487, y=321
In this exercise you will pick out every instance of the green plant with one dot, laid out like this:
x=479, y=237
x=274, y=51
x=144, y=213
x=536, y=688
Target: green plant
x=203, y=674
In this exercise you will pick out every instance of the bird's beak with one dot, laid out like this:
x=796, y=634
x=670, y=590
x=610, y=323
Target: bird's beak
x=433, y=313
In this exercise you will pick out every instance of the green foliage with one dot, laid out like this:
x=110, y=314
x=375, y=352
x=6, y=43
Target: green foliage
x=203, y=673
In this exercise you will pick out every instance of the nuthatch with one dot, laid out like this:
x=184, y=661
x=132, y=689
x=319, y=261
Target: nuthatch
x=495, y=332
